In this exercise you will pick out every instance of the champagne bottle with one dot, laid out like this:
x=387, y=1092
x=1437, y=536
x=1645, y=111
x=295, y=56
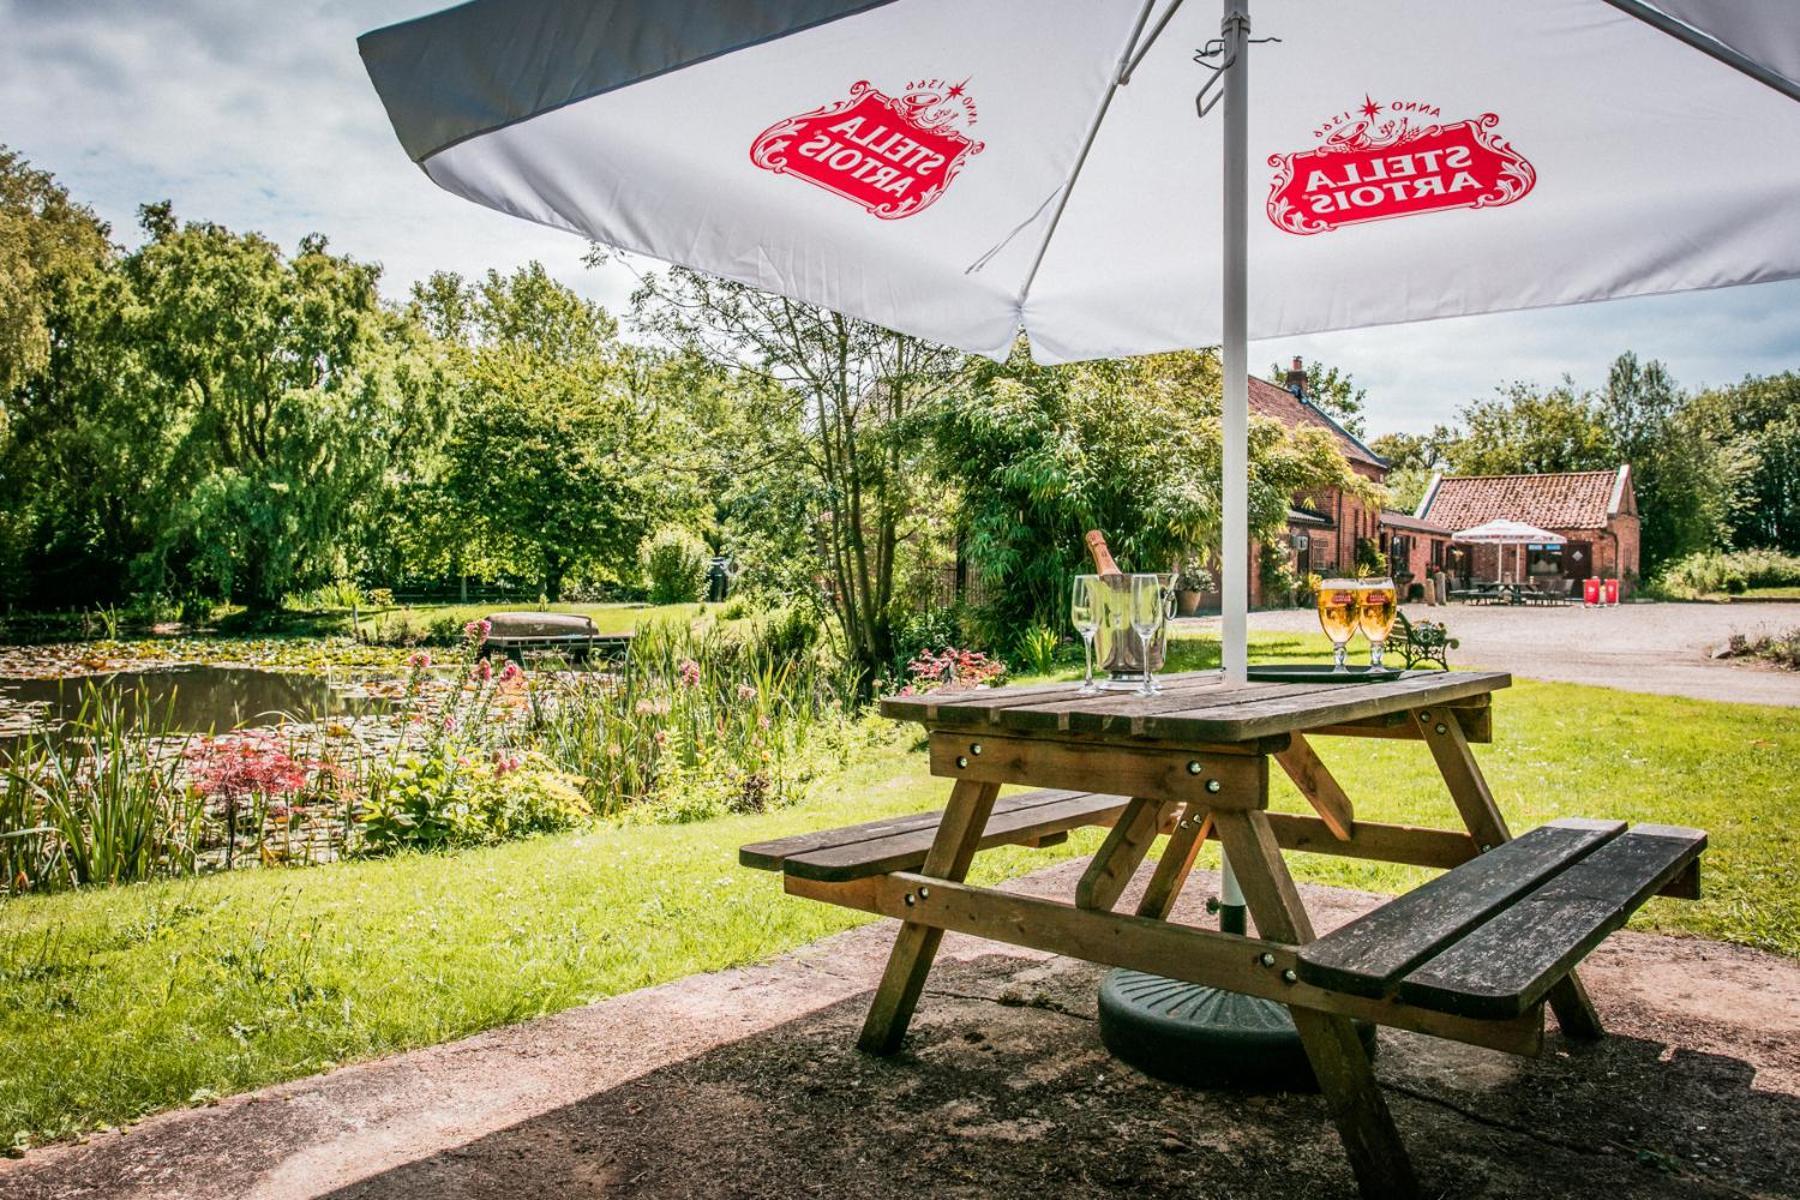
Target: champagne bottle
x=1104, y=565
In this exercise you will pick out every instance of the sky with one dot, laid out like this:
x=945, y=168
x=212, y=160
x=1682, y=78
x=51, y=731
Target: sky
x=257, y=114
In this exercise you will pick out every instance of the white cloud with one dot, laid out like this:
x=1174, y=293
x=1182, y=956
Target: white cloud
x=257, y=114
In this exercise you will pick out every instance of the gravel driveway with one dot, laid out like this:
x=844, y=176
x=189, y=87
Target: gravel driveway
x=1662, y=648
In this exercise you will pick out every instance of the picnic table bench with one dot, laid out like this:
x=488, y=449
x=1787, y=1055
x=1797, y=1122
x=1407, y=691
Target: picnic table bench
x=1474, y=955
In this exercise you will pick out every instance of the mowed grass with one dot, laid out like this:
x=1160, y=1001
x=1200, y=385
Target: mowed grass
x=117, y=1003
x=608, y=618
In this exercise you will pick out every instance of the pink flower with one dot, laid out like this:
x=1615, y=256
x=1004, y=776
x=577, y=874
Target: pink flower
x=484, y=670
x=510, y=672
x=689, y=671
x=746, y=692
x=762, y=722
x=477, y=631
x=662, y=737
x=449, y=722
x=419, y=661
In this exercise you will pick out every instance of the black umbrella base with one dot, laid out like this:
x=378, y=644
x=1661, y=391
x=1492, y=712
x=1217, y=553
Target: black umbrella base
x=1204, y=1037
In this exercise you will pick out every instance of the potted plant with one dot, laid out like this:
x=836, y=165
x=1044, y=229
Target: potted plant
x=1190, y=581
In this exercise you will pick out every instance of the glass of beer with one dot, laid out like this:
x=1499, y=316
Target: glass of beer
x=1339, y=613
x=1378, y=605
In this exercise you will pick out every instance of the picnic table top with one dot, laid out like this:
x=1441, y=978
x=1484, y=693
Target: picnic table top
x=1195, y=707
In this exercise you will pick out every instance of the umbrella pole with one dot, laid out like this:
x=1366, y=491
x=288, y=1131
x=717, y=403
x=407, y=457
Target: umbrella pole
x=1234, y=581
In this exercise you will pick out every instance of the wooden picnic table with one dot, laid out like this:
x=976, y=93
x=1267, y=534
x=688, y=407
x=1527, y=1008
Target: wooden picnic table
x=1472, y=956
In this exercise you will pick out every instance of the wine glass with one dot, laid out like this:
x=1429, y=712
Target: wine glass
x=1377, y=606
x=1338, y=616
x=1146, y=618
x=1084, y=605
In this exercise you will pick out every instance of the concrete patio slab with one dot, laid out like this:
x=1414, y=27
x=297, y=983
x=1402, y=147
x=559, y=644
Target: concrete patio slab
x=746, y=1082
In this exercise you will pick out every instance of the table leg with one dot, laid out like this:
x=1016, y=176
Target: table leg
x=1119, y=855
x=1443, y=733
x=1377, y=1156
x=1176, y=863
x=909, y=962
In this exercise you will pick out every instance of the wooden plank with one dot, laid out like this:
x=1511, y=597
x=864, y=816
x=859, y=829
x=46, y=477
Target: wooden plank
x=1368, y=956
x=1217, y=780
x=1477, y=725
x=1319, y=786
x=1415, y=845
x=909, y=962
x=1119, y=855
x=1346, y=703
x=768, y=856
x=1113, y=713
x=977, y=705
x=1176, y=863
x=1184, y=952
x=905, y=850
x=1346, y=1079
x=1510, y=963
x=1575, y=1012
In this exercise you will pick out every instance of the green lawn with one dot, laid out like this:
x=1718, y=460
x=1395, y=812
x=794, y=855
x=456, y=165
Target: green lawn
x=608, y=618
x=117, y=1003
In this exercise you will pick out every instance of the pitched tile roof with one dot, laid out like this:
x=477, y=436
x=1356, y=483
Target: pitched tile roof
x=1575, y=500
x=1278, y=404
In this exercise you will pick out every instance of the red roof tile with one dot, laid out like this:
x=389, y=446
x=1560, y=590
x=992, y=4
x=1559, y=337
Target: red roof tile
x=1576, y=500
x=1278, y=404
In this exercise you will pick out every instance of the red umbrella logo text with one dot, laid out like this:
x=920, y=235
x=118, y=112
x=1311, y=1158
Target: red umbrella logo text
x=894, y=155
x=1370, y=169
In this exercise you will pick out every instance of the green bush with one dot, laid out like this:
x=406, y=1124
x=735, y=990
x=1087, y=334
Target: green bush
x=1037, y=649
x=930, y=631
x=441, y=799
x=675, y=563
x=1714, y=572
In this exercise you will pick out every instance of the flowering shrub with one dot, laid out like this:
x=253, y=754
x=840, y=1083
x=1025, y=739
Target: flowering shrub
x=950, y=669
x=243, y=775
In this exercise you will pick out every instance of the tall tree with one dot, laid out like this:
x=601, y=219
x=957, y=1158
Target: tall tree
x=288, y=390
x=856, y=397
x=1523, y=430
x=558, y=464
x=1760, y=418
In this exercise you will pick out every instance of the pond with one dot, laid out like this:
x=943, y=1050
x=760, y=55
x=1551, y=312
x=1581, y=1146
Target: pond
x=194, y=699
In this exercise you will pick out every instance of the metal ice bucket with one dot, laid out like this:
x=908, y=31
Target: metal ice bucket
x=1117, y=649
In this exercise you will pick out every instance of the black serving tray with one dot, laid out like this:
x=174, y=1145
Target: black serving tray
x=1321, y=673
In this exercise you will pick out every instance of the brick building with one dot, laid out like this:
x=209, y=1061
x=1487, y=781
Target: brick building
x=1323, y=527
x=1595, y=510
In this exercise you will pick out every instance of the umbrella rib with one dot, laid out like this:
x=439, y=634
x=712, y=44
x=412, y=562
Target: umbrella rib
x=1708, y=45
x=1062, y=202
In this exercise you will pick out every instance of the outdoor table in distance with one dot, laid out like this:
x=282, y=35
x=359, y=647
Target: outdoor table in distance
x=1472, y=956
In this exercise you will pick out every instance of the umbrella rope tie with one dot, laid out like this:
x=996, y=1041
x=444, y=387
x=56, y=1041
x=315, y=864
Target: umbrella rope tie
x=1214, y=49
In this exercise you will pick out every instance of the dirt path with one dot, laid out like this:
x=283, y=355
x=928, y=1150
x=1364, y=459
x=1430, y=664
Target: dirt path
x=746, y=1083
x=1663, y=648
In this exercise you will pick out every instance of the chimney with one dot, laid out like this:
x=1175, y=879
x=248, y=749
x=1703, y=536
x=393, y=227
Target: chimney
x=1296, y=378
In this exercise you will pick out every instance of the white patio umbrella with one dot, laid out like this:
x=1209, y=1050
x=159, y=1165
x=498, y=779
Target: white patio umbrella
x=964, y=170
x=1502, y=532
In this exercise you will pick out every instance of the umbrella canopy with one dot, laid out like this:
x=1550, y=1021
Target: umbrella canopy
x=963, y=172
x=1509, y=533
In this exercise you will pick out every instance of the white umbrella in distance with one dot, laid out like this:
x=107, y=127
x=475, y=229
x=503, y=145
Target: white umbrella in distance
x=962, y=171
x=1502, y=532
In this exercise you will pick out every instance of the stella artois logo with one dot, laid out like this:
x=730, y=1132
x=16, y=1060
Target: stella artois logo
x=894, y=155
x=1369, y=168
